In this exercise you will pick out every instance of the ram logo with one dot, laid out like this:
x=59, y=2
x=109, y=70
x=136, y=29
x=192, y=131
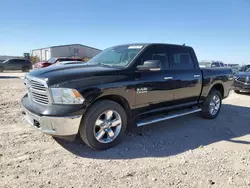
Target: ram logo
x=142, y=90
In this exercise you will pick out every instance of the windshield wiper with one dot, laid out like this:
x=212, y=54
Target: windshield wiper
x=104, y=64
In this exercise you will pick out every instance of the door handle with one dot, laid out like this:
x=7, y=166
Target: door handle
x=168, y=78
x=197, y=75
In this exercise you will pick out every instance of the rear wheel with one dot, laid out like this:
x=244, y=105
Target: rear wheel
x=212, y=105
x=103, y=125
x=237, y=91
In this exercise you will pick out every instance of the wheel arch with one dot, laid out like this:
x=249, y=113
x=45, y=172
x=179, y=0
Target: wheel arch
x=118, y=99
x=219, y=87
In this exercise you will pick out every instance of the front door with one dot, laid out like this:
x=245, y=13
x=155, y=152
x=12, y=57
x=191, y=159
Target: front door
x=154, y=88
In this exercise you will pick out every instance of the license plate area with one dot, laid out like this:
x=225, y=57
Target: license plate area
x=33, y=119
x=36, y=124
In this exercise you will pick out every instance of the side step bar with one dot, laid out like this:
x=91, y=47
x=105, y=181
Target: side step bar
x=145, y=122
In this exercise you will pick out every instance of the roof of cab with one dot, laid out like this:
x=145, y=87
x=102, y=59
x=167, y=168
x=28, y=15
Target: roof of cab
x=149, y=44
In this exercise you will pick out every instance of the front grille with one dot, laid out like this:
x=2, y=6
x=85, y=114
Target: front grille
x=37, y=85
x=40, y=98
x=38, y=90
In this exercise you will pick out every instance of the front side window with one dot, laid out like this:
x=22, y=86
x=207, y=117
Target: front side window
x=116, y=56
x=155, y=53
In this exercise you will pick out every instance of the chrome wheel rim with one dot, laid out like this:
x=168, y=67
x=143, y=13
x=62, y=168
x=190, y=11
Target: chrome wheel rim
x=214, y=105
x=107, y=126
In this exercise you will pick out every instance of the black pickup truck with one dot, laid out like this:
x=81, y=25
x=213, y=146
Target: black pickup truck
x=123, y=86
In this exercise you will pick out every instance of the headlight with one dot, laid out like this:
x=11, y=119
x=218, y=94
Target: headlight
x=66, y=96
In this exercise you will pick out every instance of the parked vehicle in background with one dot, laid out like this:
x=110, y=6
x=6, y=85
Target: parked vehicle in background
x=126, y=85
x=242, y=81
x=52, y=61
x=16, y=64
x=211, y=64
x=244, y=68
x=68, y=63
x=235, y=69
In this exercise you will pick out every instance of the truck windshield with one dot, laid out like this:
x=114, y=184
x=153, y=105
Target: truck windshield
x=51, y=60
x=117, y=56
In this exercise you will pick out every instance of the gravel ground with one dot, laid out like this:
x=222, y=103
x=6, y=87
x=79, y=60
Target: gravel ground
x=184, y=152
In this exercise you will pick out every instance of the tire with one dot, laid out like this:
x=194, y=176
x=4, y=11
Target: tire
x=1, y=69
x=90, y=127
x=25, y=69
x=206, y=107
x=237, y=91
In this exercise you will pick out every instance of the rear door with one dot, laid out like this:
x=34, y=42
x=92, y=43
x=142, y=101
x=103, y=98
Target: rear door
x=187, y=76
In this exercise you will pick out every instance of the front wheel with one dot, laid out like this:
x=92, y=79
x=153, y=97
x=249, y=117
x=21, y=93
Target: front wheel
x=212, y=105
x=103, y=125
x=237, y=91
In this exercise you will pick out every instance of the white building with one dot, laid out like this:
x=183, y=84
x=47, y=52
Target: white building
x=71, y=50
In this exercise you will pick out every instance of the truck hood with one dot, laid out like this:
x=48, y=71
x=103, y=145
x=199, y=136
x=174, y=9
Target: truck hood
x=58, y=75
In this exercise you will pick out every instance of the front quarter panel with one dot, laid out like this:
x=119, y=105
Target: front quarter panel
x=94, y=88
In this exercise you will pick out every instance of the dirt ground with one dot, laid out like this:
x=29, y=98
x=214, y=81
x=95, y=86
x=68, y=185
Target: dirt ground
x=183, y=152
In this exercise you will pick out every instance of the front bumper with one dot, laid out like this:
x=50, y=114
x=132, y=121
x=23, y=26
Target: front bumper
x=55, y=126
x=241, y=86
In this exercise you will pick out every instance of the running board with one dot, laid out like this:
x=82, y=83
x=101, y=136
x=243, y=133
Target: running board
x=142, y=123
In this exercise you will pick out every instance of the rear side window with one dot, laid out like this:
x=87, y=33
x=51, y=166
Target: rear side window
x=181, y=59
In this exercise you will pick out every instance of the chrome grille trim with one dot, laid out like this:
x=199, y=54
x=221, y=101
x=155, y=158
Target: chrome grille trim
x=241, y=79
x=38, y=90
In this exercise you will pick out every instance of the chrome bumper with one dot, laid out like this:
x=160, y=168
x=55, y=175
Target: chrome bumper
x=56, y=126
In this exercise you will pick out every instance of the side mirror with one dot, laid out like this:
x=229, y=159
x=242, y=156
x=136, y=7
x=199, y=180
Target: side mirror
x=151, y=65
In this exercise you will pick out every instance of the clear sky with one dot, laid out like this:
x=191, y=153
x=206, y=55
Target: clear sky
x=217, y=29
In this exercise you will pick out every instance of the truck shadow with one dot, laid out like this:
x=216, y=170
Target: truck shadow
x=174, y=136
